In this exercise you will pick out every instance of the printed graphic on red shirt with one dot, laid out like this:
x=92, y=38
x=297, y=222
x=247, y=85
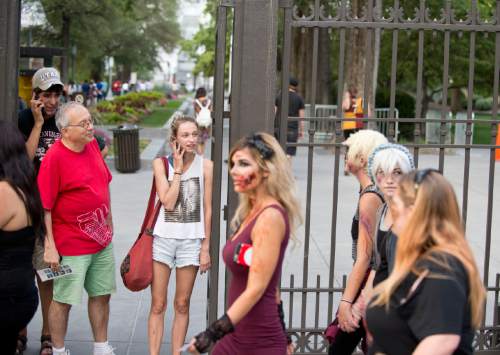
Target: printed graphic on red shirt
x=95, y=226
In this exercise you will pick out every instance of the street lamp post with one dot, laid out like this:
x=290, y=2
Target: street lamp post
x=73, y=58
x=109, y=96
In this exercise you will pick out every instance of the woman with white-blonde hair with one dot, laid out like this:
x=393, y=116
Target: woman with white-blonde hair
x=386, y=165
x=267, y=216
x=433, y=300
x=359, y=147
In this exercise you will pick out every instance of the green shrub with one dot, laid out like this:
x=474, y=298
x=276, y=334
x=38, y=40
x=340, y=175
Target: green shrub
x=484, y=104
x=128, y=108
x=110, y=118
x=106, y=106
x=406, y=106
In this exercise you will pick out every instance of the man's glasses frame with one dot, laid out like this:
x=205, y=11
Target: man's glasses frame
x=85, y=124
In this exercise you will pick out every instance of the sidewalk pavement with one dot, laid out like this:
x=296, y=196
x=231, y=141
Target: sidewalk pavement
x=129, y=192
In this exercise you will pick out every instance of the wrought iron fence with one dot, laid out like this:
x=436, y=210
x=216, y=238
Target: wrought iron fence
x=304, y=302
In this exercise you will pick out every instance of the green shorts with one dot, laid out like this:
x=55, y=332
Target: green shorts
x=94, y=272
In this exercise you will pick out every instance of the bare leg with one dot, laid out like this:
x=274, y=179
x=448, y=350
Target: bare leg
x=184, y=277
x=58, y=322
x=99, y=317
x=45, y=290
x=161, y=275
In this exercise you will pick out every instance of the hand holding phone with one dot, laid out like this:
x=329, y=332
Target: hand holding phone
x=37, y=109
x=178, y=155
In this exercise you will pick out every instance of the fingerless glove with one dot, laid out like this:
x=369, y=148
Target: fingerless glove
x=205, y=340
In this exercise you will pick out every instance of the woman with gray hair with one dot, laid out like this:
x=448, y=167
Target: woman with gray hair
x=386, y=165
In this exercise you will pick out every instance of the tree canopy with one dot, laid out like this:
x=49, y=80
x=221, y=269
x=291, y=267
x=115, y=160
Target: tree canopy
x=131, y=31
x=202, y=49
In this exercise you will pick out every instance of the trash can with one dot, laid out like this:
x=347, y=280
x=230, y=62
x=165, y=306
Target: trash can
x=126, y=148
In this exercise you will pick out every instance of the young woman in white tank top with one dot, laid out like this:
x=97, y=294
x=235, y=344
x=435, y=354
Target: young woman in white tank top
x=182, y=230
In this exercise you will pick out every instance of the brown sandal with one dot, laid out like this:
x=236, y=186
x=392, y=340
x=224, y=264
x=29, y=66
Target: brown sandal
x=21, y=344
x=46, y=345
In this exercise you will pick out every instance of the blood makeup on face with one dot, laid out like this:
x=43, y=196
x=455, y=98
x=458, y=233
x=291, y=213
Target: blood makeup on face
x=244, y=181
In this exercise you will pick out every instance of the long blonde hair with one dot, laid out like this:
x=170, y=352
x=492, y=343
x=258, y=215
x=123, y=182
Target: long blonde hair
x=280, y=183
x=434, y=228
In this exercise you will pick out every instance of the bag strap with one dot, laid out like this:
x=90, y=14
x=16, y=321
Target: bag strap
x=153, y=210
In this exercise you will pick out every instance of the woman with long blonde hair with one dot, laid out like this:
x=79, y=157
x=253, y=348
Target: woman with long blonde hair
x=267, y=215
x=182, y=231
x=434, y=298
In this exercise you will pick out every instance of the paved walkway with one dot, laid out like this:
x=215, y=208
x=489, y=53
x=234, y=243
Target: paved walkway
x=129, y=311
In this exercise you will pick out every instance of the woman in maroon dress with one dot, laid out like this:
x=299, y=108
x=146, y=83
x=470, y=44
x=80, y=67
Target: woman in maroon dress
x=266, y=216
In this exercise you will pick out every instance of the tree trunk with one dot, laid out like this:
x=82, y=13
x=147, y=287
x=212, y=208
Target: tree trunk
x=323, y=86
x=358, y=62
x=66, y=42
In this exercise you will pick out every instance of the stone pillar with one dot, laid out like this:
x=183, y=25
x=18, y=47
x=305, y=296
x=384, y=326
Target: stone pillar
x=253, y=76
x=10, y=21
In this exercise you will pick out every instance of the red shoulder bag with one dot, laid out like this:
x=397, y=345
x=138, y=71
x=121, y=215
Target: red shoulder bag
x=137, y=267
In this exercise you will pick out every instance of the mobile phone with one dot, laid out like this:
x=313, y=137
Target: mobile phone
x=37, y=97
x=243, y=254
x=184, y=349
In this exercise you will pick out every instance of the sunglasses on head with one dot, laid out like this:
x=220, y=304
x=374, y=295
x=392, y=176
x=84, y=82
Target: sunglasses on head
x=420, y=175
x=258, y=143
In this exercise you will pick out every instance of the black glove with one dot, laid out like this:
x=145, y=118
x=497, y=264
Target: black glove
x=205, y=340
x=281, y=313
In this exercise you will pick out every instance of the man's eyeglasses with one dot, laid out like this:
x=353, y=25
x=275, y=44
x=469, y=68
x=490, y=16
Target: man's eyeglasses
x=85, y=124
x=420, y=175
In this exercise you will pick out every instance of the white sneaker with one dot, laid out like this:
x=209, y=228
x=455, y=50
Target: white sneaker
x=66, y=352
x=108, y=351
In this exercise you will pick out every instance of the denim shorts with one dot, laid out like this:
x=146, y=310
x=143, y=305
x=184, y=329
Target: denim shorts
x=177, y=252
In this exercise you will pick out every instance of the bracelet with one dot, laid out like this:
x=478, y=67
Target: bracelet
x=346, y=301
x=176, y=173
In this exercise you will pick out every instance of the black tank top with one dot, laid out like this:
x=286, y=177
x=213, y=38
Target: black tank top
x=16, y=267
x=355, y=220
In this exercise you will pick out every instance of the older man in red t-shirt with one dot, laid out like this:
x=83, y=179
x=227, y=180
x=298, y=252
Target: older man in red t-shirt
x=74, y=187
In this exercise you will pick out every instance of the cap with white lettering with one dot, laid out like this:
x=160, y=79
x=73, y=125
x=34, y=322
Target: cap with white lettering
x=44, y=78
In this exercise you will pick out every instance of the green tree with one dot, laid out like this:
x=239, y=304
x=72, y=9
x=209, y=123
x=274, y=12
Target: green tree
x=202, y=46
x=132, y=31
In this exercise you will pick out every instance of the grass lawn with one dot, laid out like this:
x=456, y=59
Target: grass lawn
x=160, y=115
x=482, y=131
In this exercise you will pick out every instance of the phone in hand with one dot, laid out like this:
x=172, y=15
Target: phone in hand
x=243, y=254
x=37, y=97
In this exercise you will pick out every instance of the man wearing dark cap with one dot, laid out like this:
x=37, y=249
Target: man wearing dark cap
x=296, y=108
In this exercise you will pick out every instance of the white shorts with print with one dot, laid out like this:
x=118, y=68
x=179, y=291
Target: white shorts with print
x=177, y=252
